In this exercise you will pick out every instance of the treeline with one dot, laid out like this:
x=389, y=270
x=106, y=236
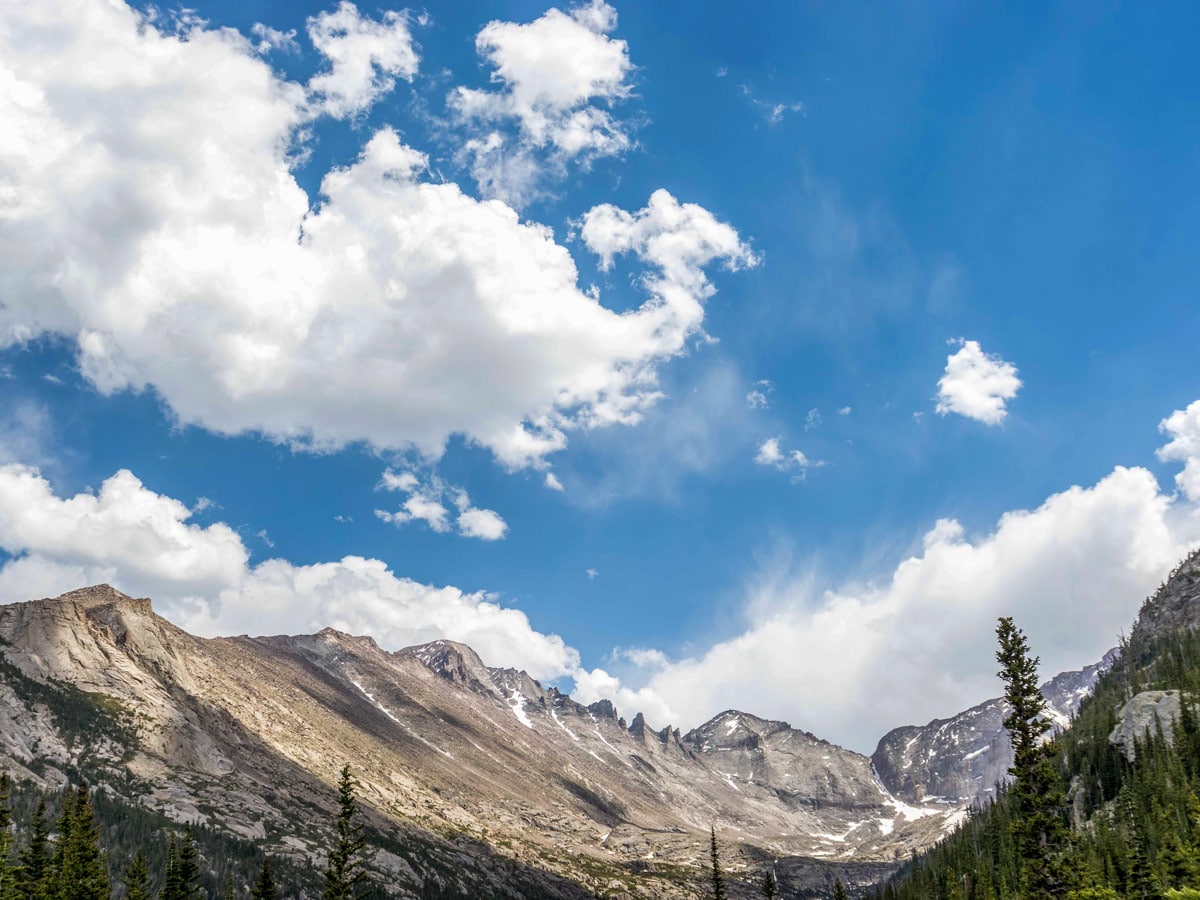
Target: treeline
x=60, y=855
x=1114, y=829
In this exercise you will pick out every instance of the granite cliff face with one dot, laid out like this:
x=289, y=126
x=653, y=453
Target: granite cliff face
x=961, y=759
x=463, y=761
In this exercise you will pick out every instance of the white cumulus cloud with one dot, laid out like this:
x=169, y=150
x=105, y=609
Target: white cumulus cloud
x=365, y=58
x=1183, y=427
x=977, y=385
x=557, y=79
x=852, y=661
x=149, y=212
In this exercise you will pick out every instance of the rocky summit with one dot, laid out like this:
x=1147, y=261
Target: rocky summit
x=465, y=769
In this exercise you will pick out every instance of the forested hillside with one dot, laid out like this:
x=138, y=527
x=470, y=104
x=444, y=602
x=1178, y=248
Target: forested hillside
x=1129, y=772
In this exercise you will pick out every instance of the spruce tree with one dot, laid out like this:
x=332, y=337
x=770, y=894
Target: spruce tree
x=83, y=874
x=717, y=878
x=229, y=891
x=188, y=867
x=769, y=888
x=264, y=887
x=839, y=890
x=1036, y=792
x=172, y=886
x=64, y=827
x=344, y=875
x=137, y=879
x=36, y=870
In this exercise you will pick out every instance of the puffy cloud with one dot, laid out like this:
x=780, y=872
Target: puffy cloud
x=150, y=213
x=977, y=384
x=365, y=58
x=557, y=76
x=424, y=503
x=552, y=482
x=482, y=523
x=122, y=525
x=1183, y=427
x=854, y=661
x=142, y=543
x=769, y=453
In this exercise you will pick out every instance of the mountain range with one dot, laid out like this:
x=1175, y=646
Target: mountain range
x=476, y=779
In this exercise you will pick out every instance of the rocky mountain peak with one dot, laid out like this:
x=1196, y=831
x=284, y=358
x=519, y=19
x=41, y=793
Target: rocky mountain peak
x=99, y=595
x=342, y=640
x=603, y=709
x=455, y=662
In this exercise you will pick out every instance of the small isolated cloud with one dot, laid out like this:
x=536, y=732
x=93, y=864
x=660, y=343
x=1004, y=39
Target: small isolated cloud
x=759, y=396
x=425, y=503
x=365, y=58
x=845, y=411
x=1183, y=427
x=771, y=454
x=558, y=78
x=481, y=523
x=977, y=385
x=592, y=573
x=265, y=538
x=773, y=112
x=343, y=520
x=552, y=482
x=812, y=420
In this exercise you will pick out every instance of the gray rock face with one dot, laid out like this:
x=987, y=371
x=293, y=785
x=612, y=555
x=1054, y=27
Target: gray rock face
x=1176, y=603
x=961, y=759
x=1146, y=712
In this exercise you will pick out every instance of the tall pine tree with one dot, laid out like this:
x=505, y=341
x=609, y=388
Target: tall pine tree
x=83, y=872
x=264, y=887
x=137, y=879
x=36, y=865
x=1036, y=792
x=172, y=886
x=344, y=875
x=188, y=867
x=718, y=879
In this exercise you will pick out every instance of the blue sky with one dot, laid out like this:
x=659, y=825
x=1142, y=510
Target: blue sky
x=689, y=356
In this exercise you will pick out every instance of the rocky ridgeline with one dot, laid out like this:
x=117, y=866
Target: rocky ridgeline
x=467, y=761
x=483, y=768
